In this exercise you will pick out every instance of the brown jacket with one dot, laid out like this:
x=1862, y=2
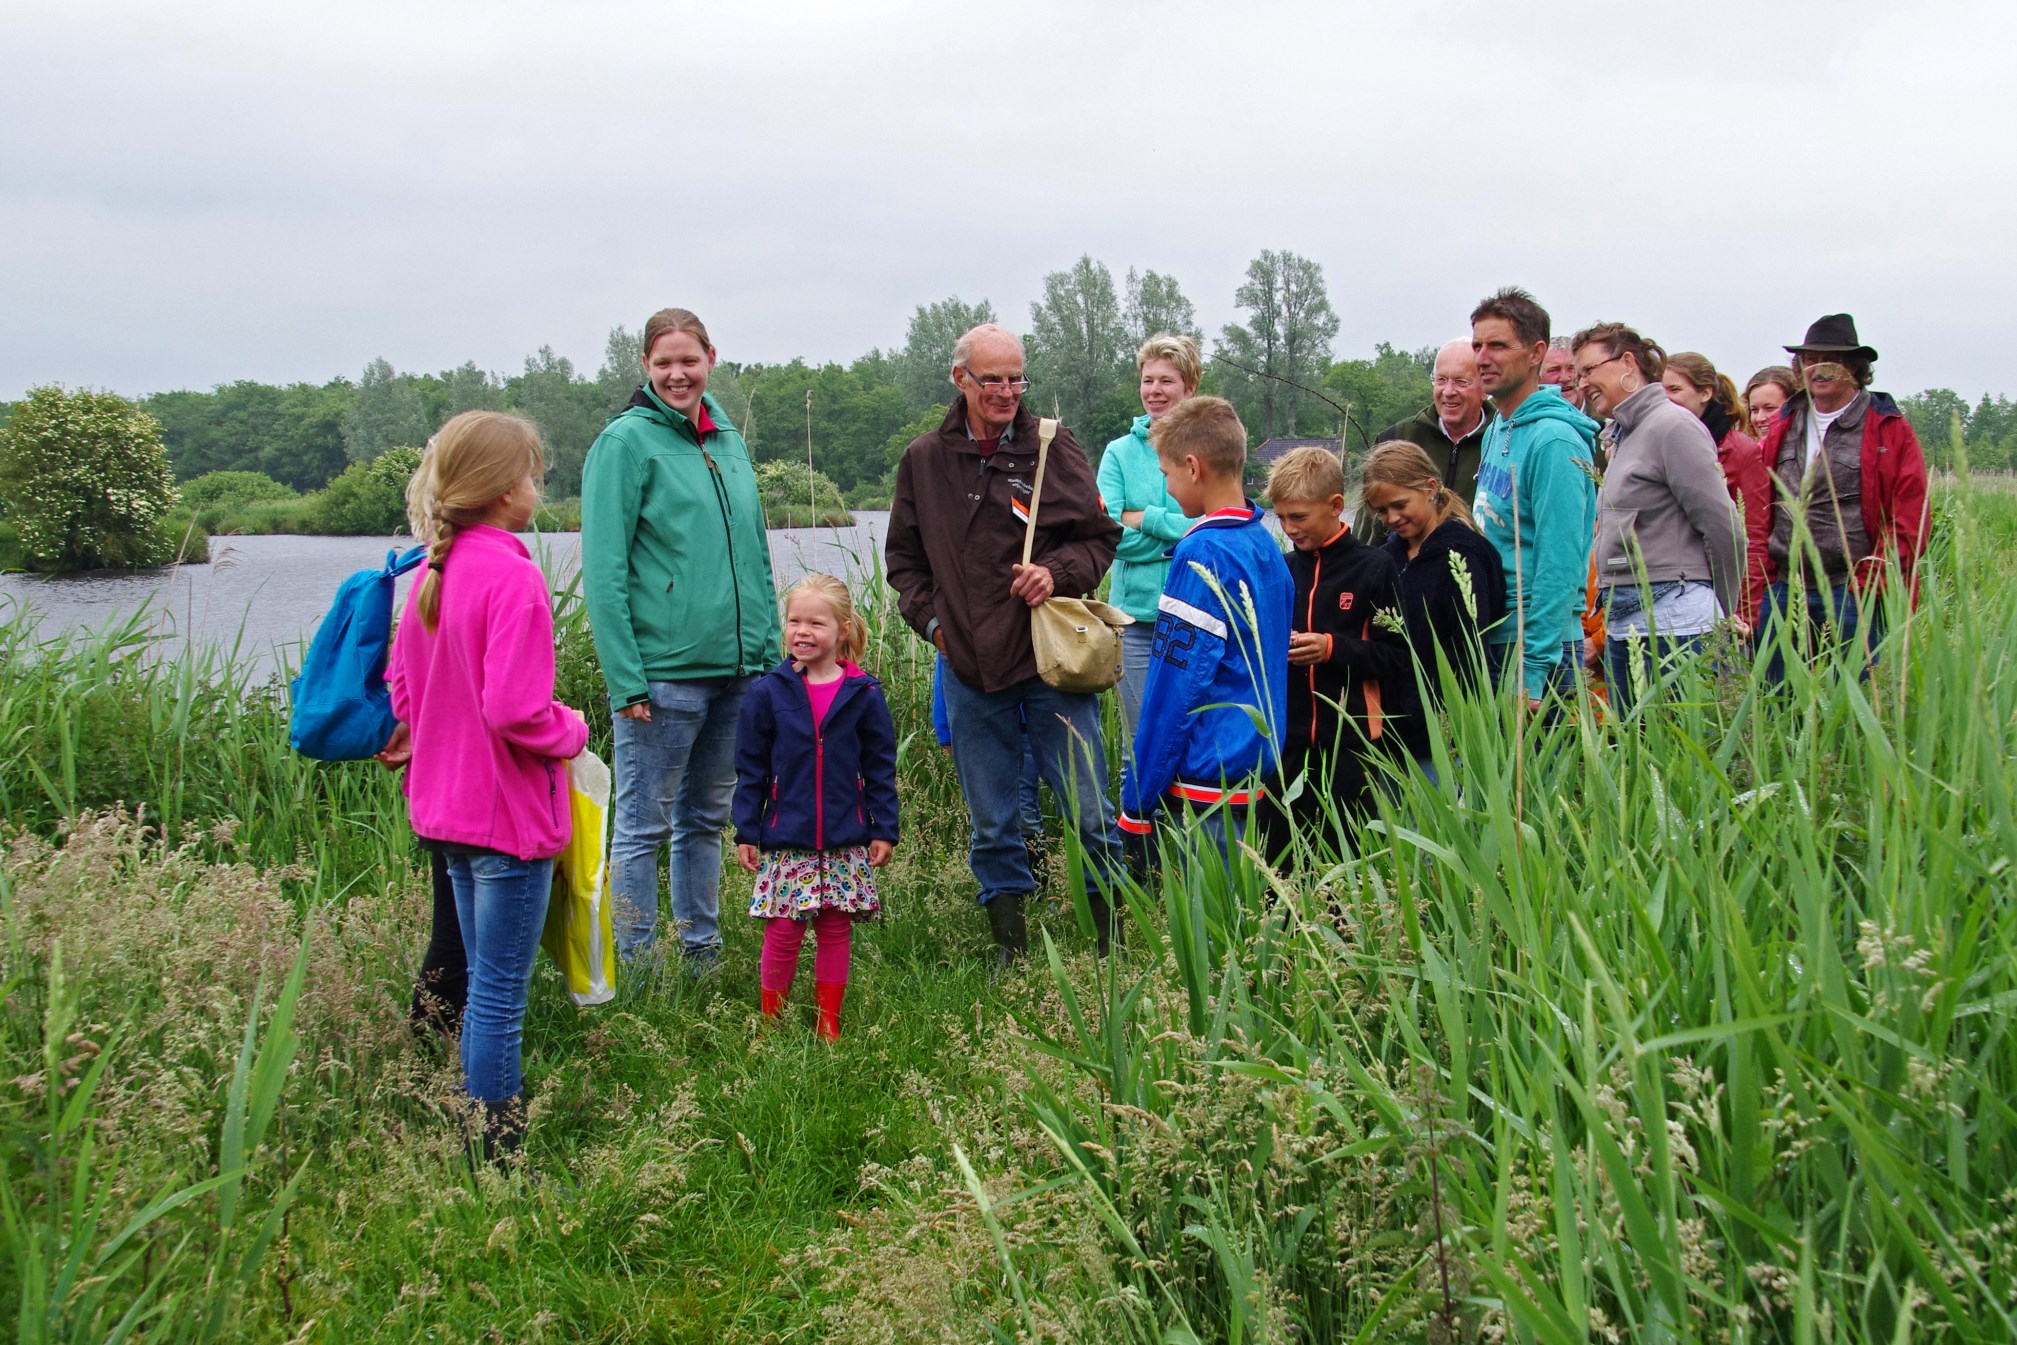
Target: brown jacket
x=956, y=534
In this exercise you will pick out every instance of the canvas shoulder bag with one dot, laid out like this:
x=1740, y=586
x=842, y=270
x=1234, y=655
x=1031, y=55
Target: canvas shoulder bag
x=1077, y=640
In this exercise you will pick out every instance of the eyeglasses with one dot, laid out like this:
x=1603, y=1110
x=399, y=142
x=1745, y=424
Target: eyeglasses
x=996, y=383
x=1583, y=375
x=1450, y=381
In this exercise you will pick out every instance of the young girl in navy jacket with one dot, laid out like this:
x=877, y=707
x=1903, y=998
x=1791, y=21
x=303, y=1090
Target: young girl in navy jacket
x=815, y=795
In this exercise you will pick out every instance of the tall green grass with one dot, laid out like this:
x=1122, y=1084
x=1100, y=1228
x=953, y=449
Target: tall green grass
x=1696, y=1029
x=1693, y=1029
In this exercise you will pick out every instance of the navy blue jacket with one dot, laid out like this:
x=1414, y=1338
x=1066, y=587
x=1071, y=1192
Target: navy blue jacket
x=802, y=787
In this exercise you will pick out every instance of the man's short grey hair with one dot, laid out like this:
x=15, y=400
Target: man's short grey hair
x=962, y=349
x=1561, y=343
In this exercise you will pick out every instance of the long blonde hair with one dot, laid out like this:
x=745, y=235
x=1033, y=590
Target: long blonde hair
x=1406, y=465
x=853, y=630
x=472, y=461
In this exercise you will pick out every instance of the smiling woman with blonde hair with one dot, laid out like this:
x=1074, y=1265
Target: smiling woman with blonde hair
x=1136, y=497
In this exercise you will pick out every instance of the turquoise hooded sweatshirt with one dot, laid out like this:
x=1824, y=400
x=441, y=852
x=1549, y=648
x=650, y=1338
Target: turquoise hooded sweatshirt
x=1537, y=505
x=1130, y=478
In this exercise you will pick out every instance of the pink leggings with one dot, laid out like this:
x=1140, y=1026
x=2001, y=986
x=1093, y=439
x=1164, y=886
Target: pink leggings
x=832, y=930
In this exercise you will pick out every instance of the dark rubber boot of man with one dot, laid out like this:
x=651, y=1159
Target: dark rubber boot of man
x=1011, y=934
x=1106, y=921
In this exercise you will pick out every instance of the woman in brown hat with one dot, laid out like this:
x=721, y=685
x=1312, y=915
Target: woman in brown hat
x=1852, y=505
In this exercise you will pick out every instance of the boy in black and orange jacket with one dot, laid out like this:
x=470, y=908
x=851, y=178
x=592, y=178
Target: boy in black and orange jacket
x=1350, y=677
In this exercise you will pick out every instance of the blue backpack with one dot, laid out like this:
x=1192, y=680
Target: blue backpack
x=342, y=710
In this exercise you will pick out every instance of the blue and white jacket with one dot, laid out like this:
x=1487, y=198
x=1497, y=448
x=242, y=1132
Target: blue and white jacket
x=1221, y=654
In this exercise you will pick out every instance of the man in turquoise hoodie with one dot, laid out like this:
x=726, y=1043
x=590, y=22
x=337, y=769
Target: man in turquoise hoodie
x=1537, y=498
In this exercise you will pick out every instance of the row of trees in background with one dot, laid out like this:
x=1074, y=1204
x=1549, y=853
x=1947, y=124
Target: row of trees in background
x=1082, y=333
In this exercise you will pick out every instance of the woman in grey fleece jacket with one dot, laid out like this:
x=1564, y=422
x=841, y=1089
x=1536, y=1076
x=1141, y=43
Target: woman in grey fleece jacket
x=1670, y=545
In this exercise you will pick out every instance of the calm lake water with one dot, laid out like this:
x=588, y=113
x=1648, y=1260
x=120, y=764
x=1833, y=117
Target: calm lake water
x=265, y=594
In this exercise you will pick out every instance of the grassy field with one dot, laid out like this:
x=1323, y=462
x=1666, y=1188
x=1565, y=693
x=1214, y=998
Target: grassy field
x=1698, y=1031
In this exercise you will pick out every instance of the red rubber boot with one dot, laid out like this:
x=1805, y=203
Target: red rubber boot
x=830, y=994
x=773, y=1002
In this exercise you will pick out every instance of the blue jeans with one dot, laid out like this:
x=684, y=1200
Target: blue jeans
x=1831, y=613
x=1137, y=643
x=1563, y=680
x=1656, y=656
x=675, y=778
x=987, y=748
x=500, y=902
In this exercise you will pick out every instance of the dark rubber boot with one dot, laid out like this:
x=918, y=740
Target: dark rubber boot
x=1011, y=935
x=502, y=1132
x=1106, y=922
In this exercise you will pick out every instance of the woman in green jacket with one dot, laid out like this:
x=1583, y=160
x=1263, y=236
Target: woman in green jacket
x=1131, y=484
x=675, y=567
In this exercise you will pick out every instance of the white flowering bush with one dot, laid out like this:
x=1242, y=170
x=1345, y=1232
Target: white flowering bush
x=85, y=482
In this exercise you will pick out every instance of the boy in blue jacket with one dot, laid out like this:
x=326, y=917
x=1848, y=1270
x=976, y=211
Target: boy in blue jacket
x=1210, y=732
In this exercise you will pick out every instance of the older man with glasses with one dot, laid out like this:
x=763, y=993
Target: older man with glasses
x=954, y=555
x=1852, y=504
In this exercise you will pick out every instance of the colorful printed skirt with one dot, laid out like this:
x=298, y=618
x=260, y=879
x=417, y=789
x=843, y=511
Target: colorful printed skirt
x=799, y=884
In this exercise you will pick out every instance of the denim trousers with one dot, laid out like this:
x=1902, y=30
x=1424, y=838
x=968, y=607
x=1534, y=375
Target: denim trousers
x=1655, y=657
x=1137, y=643
x=1831, y=614
x=1562, y=680
x=987, y=748
x=500, y=902
x=675, y=778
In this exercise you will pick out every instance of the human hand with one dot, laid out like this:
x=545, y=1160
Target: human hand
x=879, y=852
x=1132, y=518
x=1741, y=626
x=747, y=856
x=1033, y=584
x=938, y=639
x=1308, y=646
x=1533, y=705
x=398, y=749
x=946, y=748
x=641, y=712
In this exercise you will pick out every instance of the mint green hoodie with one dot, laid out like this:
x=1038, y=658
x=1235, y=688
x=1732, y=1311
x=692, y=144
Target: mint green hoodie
x=1130, y=479
x=675, y=562
x=1536, y=467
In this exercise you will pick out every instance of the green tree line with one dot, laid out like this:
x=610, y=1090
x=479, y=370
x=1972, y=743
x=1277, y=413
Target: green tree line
x=1082, y=333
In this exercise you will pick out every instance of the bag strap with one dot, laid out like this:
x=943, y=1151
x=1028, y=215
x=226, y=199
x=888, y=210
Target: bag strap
x=396, y=564
x=1047, y=430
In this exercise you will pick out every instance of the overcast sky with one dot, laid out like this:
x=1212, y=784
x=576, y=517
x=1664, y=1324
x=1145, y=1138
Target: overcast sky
x=197, y=192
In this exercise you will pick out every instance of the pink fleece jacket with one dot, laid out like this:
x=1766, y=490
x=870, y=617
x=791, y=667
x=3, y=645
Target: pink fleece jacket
x=490, y=744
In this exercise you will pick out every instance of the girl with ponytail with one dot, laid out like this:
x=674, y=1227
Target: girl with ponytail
x=471, y=675
x=1451, y=584
x=815, y=795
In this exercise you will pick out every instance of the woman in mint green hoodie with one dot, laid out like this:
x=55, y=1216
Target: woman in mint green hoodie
x=1132, y=487
x=675, y=568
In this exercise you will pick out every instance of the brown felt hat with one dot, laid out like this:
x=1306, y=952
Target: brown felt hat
x=1834, y=334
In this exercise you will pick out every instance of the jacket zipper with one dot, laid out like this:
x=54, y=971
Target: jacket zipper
x=728, y=532
x=818, y=775
x=1310, y=623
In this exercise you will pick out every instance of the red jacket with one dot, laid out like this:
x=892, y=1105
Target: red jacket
x=1895, y=507
x=1750, y=483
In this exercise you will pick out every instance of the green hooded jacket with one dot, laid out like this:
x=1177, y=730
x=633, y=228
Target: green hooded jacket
x=675, y=562
x=1130, y=478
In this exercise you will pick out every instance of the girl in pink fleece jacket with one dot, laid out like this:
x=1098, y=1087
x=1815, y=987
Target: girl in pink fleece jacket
x=471, y=675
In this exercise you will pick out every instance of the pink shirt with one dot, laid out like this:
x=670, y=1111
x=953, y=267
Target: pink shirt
x=490, y=744
x=822, y=694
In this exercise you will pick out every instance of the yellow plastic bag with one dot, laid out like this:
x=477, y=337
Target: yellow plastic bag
x=578, y=935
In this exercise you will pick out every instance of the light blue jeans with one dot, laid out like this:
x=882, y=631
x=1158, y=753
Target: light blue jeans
x=675, y=779
x=1137, y=643
x=988, y=747
x=500, y=902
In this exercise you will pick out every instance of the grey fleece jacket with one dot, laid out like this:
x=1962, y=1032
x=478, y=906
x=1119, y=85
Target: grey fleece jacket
x=1663, y=503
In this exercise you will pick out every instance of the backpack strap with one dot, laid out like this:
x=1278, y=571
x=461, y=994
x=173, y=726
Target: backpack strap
x=1047, y=430
x=397, y=564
